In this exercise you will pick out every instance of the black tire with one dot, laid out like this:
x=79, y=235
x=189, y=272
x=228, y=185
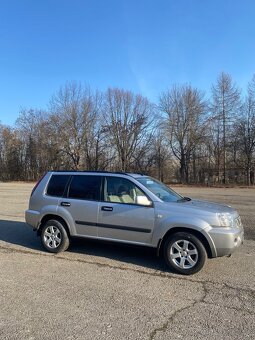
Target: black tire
x=184, y=253
x=54, y=236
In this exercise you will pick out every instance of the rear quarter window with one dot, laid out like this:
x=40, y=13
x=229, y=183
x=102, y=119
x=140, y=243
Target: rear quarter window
x=57, y=185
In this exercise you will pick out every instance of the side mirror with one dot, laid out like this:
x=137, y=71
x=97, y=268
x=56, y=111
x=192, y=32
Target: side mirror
x=143, y=200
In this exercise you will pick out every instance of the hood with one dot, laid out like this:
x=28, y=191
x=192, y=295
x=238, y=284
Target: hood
x=186, y=210
x=208, y=206
x=195, y=207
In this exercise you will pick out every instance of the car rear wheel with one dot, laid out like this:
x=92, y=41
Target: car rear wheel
x=54, y=236
x=184, y=253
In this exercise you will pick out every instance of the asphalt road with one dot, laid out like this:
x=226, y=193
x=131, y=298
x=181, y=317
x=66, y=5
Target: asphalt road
x=103, y=291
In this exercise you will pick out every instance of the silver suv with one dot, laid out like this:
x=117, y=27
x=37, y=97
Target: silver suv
x=134, y=209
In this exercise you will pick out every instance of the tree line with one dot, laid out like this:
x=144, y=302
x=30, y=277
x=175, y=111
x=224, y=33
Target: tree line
x=186, y=137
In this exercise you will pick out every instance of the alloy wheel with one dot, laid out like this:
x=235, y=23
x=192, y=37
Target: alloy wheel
x=184, y=254
x=52, y=237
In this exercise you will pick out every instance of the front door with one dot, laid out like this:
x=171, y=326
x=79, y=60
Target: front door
x=120, y=216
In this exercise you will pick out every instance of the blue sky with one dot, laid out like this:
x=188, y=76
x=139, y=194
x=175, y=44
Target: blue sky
x=139, y=45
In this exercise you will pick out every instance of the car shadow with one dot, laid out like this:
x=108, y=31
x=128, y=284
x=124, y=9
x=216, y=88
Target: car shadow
x=19, y=233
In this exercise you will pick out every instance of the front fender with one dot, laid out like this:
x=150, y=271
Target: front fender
x=194, y=223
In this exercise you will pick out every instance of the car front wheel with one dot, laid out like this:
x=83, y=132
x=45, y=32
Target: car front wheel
x=54, y=236
x=184, y=253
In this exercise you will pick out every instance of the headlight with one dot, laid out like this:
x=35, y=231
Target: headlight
x=226, y=220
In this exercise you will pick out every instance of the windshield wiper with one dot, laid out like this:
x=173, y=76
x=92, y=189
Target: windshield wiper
x=184, y=199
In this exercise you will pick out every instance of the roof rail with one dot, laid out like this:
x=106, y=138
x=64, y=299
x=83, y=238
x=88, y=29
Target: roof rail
x=79, y=171
x=101, y=171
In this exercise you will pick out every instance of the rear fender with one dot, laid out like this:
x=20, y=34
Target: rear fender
x=61, y=212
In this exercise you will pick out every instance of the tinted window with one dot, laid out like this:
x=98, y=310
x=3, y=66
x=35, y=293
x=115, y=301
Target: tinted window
x=85, y=187
x=57, y=185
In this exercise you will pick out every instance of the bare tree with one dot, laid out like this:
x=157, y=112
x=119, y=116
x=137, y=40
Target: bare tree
x=185, y=108
x=10, y=154
x=37, y=149
x=127, y=118
x=225, y=105
x=96, y=149
x=119, y=130
x=160, y=153
x=74, y=121
x=245, y=132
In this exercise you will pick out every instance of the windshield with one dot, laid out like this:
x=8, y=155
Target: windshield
x=160, y=190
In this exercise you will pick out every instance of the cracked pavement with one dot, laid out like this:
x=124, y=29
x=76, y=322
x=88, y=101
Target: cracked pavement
x=104, y=291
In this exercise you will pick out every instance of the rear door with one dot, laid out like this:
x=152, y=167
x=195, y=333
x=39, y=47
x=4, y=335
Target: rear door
x=82, y=203
x=120, y=217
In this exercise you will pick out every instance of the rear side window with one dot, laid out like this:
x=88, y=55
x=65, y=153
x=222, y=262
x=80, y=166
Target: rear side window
x=85, y=187
x=57, y=185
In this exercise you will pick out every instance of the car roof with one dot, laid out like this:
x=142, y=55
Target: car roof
x=106, y=173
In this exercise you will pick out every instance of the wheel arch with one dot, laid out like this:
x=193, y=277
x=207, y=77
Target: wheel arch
x=194, y=232
x=48, y=217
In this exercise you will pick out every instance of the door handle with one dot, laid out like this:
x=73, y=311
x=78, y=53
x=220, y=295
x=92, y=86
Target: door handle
x=107, y=208
x=65, y=204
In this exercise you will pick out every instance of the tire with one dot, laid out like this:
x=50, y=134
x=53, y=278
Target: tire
x=184, y=253
x=54, y=236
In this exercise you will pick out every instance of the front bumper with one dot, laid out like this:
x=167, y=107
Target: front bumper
x=226, y=240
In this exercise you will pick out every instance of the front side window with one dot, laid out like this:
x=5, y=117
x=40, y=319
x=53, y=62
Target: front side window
x=85, y=187
x=159, y=189
x=121, y=190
